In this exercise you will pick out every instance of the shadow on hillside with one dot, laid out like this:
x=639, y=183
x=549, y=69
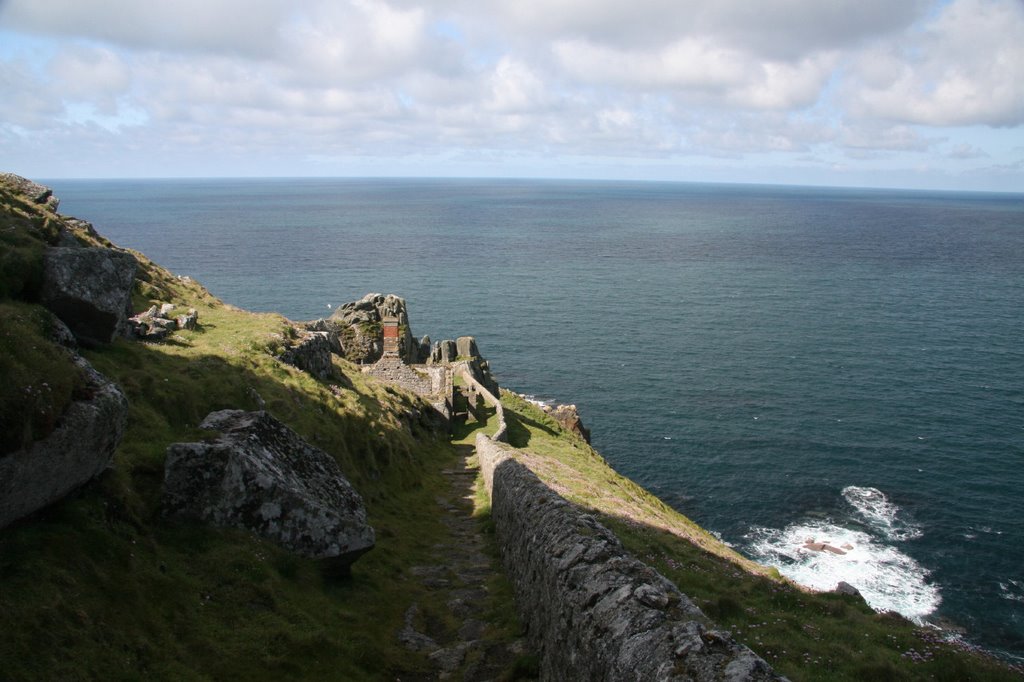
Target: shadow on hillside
x=169, y=395
x=518, y=433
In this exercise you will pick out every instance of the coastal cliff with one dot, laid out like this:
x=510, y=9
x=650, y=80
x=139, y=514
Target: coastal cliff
x=100, y=581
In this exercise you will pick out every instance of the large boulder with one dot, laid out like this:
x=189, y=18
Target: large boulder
x=90, y=290
x=260, y=476
x=79, y=448
x=361, y=333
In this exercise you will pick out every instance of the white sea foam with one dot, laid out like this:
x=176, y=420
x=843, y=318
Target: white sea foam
x=535, y=400
x=882, y=515
x=1012, y=590
x=888, y=579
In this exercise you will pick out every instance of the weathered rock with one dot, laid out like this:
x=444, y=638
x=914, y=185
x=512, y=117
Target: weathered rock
x=443, y=352
x=465, y=347
x=332, y=329
x=79, y=448
x=61, y=335
x=90, y=290
x=594, y=612
x=261, y=476
x=360, y=332
x=844, y=587
x=311, y=353
x=424, y=349
x=37, y=193
x=569, y=417
x=189, y=320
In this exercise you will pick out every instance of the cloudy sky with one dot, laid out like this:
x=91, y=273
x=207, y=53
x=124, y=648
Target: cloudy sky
x=890, y=93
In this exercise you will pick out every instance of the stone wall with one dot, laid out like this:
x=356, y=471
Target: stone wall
x=501, y=435
x=592, y=611
x=430, y=382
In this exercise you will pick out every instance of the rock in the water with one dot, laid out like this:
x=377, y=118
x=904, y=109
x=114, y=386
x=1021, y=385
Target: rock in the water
x=79, y=448
x=90, y=290
x=312, y=353
x=259, y=475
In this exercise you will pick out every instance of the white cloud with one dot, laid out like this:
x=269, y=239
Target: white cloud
x=965, y=67
x=221, y=26
x=648, y=81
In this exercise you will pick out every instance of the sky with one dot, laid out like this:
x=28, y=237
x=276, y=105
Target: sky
x=877, y=93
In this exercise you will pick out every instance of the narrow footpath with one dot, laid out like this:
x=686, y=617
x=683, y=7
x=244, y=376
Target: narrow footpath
x=460, y=626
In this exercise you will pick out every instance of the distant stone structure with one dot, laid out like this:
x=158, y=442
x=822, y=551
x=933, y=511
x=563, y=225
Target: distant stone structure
x=391, y=336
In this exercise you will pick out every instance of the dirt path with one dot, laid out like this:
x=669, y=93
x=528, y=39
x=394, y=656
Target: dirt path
x=456, y=625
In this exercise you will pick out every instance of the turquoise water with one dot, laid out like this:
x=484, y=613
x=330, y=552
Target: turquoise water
x=778, y=363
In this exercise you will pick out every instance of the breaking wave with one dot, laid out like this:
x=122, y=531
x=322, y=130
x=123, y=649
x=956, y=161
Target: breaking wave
x=884, y=516
x=821, y=553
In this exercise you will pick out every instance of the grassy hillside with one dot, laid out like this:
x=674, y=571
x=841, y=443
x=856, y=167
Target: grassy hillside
x=101, y=586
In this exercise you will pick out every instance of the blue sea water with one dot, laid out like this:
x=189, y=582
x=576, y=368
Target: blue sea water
x=779, y=363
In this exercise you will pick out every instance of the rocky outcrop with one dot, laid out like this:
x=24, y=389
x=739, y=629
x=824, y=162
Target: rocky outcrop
x=310, y=353
x=361, y=335
x=333, y=331
x=443, y=352
x=35, y=192
x=89, y=289
x=157, y=323
x=81, y=447
x=592, y=611
x=569, y=418
x=260, y=476
x=465, y=347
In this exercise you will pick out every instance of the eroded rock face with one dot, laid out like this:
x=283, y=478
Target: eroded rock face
x=37, y=193
x=89, y=289
x=569, y=417
x=465, y=346
x=311, y=353
x=79, y=448
x=361, y=334
x=259, y=475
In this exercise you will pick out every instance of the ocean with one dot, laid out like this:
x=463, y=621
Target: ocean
x=778, y=363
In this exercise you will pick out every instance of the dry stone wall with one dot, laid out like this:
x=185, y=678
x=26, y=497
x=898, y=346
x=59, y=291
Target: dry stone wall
x=394, y=371
x=501, y=435
x=592, y=611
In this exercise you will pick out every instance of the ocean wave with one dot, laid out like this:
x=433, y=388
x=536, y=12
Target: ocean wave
x=1012, y=590
x=881, y=514
x=888, y=579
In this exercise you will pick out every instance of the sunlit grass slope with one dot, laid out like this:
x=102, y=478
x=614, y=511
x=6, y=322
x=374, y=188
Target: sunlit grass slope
x=101, y=586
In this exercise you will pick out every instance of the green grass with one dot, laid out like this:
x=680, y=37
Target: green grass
x=804, y=635
x=101, y=586
x=39, y=378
